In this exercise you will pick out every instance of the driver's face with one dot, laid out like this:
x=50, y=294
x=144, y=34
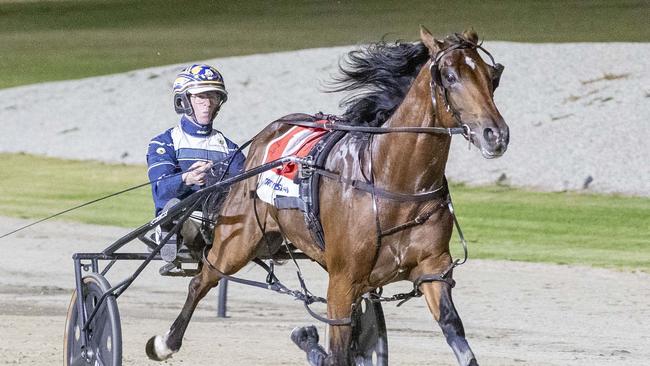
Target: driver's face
x=204, y=104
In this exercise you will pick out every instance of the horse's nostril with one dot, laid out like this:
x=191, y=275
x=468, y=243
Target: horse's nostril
x=489, y=135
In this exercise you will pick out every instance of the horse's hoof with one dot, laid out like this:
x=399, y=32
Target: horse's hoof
x=157, y=350
x=305, y=337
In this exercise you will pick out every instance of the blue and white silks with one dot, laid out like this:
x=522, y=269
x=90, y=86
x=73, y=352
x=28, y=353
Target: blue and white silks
x=176, y=149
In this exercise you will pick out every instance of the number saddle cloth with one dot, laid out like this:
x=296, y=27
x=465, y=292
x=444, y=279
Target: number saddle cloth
x=292, y=186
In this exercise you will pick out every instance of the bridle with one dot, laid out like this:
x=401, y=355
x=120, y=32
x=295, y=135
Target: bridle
x=436, y=80
x=334, y=123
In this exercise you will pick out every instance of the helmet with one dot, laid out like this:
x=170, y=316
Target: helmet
x=193, y=80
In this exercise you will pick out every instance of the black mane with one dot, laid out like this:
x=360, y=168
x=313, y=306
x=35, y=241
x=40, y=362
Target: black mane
x=381, y=75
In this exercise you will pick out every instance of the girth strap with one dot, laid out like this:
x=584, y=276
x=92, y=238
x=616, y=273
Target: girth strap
x=394, y=196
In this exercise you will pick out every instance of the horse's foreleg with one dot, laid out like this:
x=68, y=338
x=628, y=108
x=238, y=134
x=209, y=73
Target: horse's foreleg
x=160, y=348
x=339, y=306
x=339, y=342
x=340, y=297
x=306, y=338
x=438, y=297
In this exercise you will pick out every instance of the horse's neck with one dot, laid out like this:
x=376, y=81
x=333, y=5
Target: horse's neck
x=411, y=162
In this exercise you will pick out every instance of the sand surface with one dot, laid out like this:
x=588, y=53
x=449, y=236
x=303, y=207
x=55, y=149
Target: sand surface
x=514, y=313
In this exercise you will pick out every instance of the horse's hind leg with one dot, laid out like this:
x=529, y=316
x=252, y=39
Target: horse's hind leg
x=438, y=296
x=236, y=239
x=160, y=348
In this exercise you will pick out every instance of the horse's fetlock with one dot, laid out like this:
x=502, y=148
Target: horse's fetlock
x=174, y=344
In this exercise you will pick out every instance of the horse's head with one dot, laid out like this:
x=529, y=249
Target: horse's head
x=462, y=87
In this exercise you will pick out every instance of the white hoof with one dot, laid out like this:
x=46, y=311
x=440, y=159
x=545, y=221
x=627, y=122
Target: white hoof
x=157, y=348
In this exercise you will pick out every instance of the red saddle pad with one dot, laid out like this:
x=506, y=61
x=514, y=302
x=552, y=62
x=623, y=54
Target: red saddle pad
x=298, y=141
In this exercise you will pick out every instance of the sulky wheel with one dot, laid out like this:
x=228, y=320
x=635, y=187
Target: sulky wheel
x=104, y=345
x=369, y=337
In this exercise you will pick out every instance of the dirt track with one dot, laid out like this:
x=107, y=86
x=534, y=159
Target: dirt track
x=514, y=313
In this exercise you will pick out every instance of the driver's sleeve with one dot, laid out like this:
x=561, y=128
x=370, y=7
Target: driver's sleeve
x=163, y=171
x=237, y=165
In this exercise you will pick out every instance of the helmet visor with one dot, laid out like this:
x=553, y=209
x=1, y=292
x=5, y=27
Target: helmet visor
x=203, y=89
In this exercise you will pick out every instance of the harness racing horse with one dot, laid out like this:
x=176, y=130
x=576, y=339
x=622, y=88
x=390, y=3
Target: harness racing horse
x=432, y=84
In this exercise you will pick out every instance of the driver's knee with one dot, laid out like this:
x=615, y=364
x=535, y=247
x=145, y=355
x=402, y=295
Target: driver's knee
x=191, y=231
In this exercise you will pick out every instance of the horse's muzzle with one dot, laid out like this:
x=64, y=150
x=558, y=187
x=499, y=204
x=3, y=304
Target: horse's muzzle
x=493, y=141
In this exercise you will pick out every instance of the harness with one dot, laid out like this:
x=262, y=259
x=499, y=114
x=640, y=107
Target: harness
x=312, y=168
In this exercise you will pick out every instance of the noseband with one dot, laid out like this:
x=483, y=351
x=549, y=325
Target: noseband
x=436, y=80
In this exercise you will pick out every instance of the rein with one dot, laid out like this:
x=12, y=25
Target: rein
x=378, y=130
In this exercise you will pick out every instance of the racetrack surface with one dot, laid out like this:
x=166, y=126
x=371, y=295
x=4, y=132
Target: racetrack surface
x=514, y=313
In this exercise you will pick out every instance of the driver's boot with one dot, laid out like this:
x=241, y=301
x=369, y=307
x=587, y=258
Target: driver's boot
x=169, y=250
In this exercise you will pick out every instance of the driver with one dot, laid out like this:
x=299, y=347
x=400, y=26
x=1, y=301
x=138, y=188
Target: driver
x=184, y=158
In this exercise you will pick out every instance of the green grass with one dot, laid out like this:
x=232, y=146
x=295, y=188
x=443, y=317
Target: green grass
x=499, y=222
x=34, y=187
x=59, y=40
x=565, y=228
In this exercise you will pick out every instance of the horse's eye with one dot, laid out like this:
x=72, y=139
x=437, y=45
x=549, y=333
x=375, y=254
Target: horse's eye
x=451, y=78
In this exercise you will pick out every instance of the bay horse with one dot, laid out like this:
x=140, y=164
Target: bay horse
x=432, y=83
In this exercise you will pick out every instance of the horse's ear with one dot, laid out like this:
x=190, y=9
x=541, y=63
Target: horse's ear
x=471, y=35
x=427, y=38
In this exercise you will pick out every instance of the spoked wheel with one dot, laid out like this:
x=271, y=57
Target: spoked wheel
x=369, y=337
x=104, y=345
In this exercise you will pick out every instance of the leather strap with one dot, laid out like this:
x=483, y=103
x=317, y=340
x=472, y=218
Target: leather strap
x=394, y=196
x=376, y=130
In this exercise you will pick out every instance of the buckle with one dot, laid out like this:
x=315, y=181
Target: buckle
x=306, y=169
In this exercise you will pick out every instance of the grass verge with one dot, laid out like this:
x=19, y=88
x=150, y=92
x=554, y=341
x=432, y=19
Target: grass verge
x=498, y=222
x=33, y=187
x=565, y=227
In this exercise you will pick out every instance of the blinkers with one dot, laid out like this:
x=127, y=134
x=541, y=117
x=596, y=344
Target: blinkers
x=497, y=70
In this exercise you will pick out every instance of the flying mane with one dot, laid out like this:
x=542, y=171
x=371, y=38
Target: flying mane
x=379, y=76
